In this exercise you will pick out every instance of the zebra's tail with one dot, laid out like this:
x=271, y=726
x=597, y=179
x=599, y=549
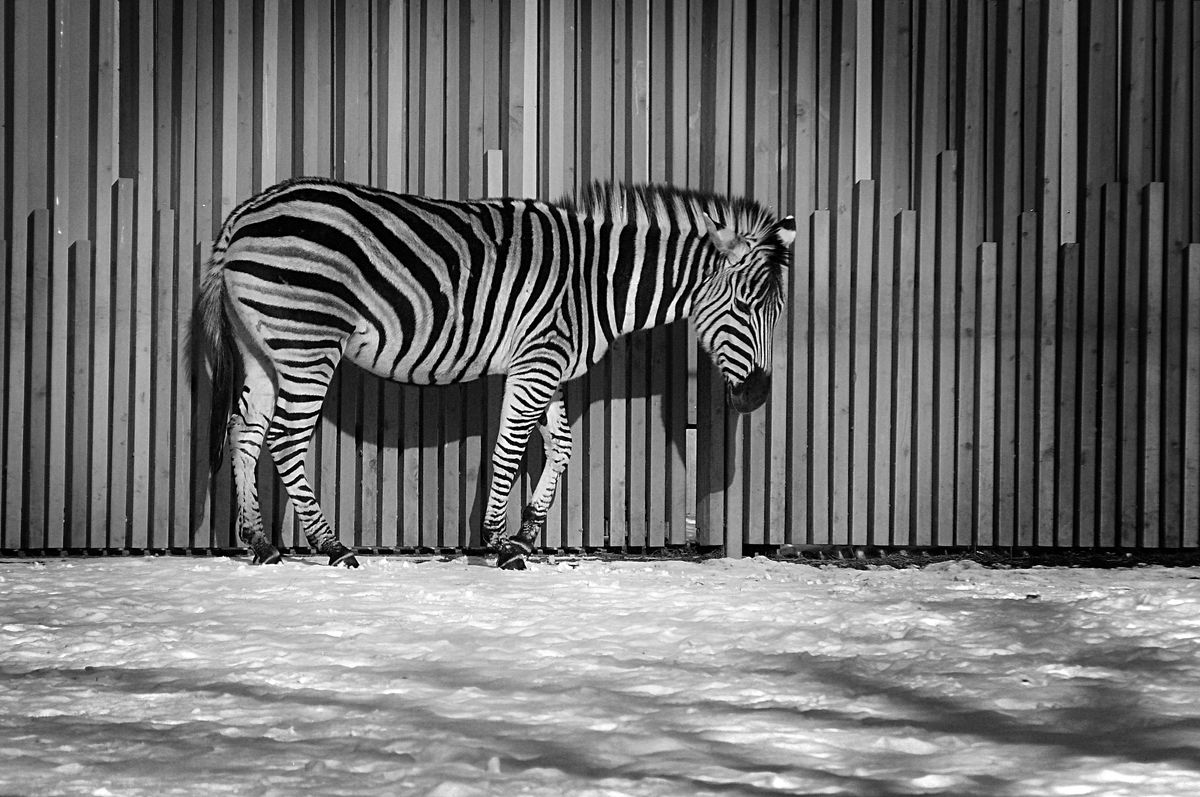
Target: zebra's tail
x=213, y=335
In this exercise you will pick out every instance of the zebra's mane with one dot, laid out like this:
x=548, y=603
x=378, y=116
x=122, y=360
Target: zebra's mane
x=668, y=207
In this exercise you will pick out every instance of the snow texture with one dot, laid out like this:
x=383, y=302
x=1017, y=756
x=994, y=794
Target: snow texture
x=208, y=676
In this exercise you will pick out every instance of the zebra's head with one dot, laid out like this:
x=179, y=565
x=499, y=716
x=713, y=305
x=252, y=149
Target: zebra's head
x=738, y=303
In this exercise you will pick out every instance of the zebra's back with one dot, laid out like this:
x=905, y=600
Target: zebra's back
x=411, y=288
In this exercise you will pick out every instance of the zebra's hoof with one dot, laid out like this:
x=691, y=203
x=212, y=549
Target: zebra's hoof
x=344, y=558
x=267, y=556
x=511, y=555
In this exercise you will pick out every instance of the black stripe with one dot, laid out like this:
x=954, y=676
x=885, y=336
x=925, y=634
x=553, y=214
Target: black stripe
x=623, y=272
x=650, y=278
x=299, y=343
x=671, y=274
x=302, y=315
x=600, y=264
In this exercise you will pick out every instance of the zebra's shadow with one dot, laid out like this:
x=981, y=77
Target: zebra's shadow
x=631, y=415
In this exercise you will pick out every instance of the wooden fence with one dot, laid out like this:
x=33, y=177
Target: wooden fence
x=993, y=335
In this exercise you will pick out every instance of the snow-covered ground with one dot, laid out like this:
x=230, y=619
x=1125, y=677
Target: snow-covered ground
x=208, y=676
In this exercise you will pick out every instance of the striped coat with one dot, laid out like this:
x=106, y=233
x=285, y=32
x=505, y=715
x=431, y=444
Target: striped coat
x=428, y=291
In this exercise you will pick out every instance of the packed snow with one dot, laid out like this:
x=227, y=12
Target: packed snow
x=157, y=676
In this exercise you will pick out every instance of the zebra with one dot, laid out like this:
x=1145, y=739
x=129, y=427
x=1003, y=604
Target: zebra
x=429, y=291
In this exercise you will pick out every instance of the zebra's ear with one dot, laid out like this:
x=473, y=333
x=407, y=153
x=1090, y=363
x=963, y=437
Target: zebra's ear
x=786, y=230
x=727, y=242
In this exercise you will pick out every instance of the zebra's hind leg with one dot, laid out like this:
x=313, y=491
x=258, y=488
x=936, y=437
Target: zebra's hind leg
x=247, y=427
x=297, y=410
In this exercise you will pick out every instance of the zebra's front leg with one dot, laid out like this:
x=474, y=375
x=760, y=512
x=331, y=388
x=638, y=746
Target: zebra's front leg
x=525, y=399
x=556, y=436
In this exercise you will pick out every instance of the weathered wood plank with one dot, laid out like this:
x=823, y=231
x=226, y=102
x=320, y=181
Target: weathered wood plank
x=1111, y=300
x=163, y=399
x=39, y=283
x=822, y=363
x=986, y=280
x=1068, y=403
x=862, y=296
x=945, y=340
x=1027, y=393
x=1153, y=266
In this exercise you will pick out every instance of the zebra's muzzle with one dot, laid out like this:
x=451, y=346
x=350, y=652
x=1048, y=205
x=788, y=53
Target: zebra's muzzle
x=752, y=392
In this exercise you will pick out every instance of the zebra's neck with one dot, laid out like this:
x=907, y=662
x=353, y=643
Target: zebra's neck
x=643, y=275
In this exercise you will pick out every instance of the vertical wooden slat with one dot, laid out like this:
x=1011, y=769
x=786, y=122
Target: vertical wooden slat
x=1154, y=261
x=71, y=106
x=6, y=135
x=822, y=363
x=27, y=93
x=1046, y=401
x=1179, y=222
x=1047, y=278
x=970, y=340
x=986, y=281
x=1068, y=435
x=183, y=262
x=841, y=154
x=1109, y=330
x=905, y=400
x=122, y=361
x=1006, y=210
x=1034, y=17
x=946, y=296
x=803, y=153
x=924, y=422
x=269, y=106
x=863, y=68
x=862, y=293
x=165, y=105
x=102, y=119
x=1132, y=327
x=1069, y=170
x=1027, y=407
x=37, y=376
x=885, y=341
x=929, y=89
x=79, y=277
x=410, y=493
x=163, y=399
x=764, y=173
x=530, y=115
x=895, y=108
x=142, y=319
x=1088, y=389
x=1191, y=410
